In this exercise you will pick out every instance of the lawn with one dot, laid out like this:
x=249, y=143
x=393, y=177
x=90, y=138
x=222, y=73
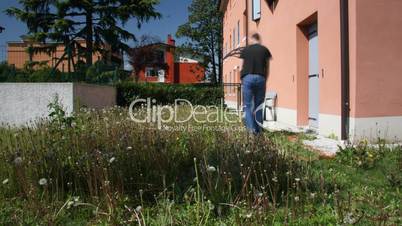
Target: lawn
x=100, y=168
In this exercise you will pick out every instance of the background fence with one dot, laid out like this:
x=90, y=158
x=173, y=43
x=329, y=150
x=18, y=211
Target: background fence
x=233, y=97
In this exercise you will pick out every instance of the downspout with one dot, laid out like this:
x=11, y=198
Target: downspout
x=246, y=15
x=345, y=68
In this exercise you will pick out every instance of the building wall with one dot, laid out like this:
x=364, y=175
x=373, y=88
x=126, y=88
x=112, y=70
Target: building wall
x=18, y=56
x=187, y=73
x=376, y=56
x=283, y=31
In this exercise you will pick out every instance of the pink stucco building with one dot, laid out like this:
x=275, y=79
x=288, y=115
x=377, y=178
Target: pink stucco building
x=336, y=66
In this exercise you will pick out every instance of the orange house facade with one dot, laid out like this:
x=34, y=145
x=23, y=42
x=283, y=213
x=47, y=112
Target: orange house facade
x=175, y=69
x=336, y=64
x=18, y=55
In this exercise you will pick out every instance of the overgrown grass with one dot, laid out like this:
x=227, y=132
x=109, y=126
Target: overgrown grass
x=100, y=168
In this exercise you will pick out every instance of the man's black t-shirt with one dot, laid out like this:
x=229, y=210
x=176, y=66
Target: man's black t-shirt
x=255, y=60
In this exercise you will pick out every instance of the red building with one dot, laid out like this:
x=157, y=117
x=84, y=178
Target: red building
x=162, y=64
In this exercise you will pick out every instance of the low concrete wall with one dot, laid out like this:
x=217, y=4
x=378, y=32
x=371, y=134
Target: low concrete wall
x=94, y=96
x=22, y=103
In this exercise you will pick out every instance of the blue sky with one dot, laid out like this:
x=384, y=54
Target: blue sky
x=174, y=13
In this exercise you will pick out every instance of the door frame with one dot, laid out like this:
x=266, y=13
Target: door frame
x=302, y=68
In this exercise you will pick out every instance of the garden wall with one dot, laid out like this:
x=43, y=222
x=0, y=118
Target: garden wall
x=21, y=103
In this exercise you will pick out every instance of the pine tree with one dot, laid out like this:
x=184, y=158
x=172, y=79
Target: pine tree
x=99, y=22
x=204, y=32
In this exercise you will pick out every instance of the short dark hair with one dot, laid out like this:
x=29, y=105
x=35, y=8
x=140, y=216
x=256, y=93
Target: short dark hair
x=256, y=36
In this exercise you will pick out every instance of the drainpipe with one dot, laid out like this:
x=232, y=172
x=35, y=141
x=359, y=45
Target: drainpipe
x=246, y=15
x=345, y=108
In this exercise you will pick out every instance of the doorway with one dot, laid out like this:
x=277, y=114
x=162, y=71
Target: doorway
x=313, y=77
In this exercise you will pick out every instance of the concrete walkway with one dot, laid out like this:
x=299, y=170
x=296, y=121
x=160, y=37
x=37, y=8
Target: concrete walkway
x=325, y=146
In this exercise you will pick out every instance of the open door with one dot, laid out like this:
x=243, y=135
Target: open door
x=313, y=81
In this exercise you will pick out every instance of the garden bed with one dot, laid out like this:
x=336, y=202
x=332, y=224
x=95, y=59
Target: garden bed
x=99, y=168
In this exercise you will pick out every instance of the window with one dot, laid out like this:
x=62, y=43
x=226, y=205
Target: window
x=256, y=9
x=230, y=43
x=234, y=38
x=151, y=72
x=238, y=32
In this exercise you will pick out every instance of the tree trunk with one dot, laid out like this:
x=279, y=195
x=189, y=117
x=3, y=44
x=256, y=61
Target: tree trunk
x=220, y=63
x=213, y=79
x=89, y=35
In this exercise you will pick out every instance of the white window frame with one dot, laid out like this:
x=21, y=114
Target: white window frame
x=238, y=32
x=256, y=9
x=148, y=72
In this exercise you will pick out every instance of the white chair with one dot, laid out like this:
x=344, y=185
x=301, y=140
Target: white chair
x=269, y=110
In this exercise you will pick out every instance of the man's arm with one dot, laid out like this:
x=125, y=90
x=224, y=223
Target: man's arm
x=235, y=53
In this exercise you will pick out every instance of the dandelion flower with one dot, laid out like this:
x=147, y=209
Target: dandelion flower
x=42, y=182
x=5, y=181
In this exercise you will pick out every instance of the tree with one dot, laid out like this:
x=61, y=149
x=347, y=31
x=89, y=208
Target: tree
x=99, y=22
x=204, y=32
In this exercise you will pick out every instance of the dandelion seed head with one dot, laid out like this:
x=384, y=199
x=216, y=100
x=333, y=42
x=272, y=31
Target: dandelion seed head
x=5, y=181
x=111, y=160
x=42, y=182
x=18, y=161
x=211, y=169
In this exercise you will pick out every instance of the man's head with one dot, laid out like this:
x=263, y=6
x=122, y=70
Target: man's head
x=255, y=39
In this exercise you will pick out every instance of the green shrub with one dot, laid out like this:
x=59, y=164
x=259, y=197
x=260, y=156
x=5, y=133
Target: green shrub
x=99, y=73
x=361, y=155
x=168, y=93
x=7, y=72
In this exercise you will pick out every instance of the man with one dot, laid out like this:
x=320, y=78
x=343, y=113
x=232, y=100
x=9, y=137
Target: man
x=253, y=76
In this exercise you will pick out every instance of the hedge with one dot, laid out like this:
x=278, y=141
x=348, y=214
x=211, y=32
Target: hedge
x=200, y=94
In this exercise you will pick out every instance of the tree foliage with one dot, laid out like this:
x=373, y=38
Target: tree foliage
x=204, y=33
x=99, y=22
x=145, y=53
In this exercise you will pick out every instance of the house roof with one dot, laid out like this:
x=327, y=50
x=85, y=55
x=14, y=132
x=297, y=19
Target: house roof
x=160, y=44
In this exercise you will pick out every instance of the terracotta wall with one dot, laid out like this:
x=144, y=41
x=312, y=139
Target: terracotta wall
x=281, y=30
x=187, y=73
x=18, y=56
x=378, y=52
